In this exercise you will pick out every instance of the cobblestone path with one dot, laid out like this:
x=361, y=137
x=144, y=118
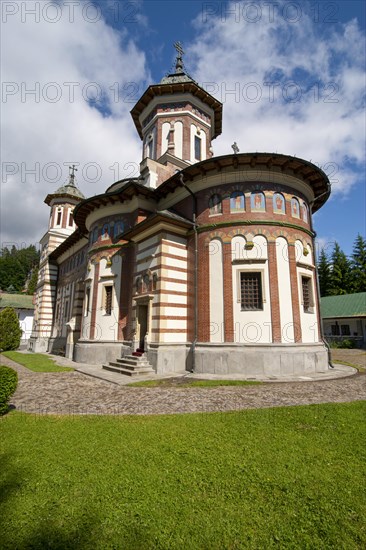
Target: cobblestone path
x=75, y=393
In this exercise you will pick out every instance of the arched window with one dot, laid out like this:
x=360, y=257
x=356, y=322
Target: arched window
x=118, y=228
x=279, y=203
x=237, y=202
x=215, y=204
x=258, y=202
x=295, y=208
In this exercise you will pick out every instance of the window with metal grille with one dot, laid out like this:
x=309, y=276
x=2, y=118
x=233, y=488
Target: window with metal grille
x=108, y=300
x=306, y=294
x=251, y=291
x=197, y=148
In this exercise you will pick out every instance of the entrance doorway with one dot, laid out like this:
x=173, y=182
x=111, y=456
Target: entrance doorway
x=142, y=321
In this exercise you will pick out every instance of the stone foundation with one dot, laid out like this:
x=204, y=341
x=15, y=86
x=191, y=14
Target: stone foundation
x=250, y=361
x=266, y=360
x=98, y=353
x=166, y=359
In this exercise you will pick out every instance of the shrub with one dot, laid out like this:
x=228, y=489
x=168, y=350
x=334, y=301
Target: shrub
x=10, y=331
x=8, y=384
x=347, y=344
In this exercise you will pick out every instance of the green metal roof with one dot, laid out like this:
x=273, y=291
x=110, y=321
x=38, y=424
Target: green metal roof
x=346, y=305
x=17, y=301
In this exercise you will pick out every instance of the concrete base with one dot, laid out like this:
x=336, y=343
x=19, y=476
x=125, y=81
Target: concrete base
x=56, y=345
x=168, y=358
x=98, y=353
x=38, y=345
x=249, y=361
x=266, y=360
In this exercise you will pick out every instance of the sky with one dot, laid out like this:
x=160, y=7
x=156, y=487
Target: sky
x=290, y=75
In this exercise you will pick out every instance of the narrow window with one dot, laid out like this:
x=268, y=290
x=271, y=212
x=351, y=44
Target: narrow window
x=108, y=300
x=66, y=312
x=306, y=294
x=197, y=148
x=71, y=219
x=87, y=301
x=59, y=215
x=251, y=296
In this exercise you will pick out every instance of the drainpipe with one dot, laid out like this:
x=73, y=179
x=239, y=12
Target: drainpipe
x=317, y=282
x=195, y=337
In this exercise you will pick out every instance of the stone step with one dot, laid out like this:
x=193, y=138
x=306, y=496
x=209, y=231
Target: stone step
x=132, y=361
x=139, y=371
x=130, y=365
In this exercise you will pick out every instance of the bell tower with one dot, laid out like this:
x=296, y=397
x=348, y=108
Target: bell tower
x=176, y=121
x=61, y=225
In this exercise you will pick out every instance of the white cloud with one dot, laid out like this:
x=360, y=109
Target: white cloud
x=325, y=65
x=37, y=129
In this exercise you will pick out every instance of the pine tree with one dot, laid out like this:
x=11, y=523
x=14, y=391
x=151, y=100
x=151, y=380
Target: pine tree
x=32, y=283
x=358, y=265
x=10, y=331
x=340, y=280
x=324, y=274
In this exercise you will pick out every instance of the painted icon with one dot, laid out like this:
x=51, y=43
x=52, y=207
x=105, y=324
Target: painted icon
x=295, y=208
x=258, y=202
x=278, y=203
x=237, y=202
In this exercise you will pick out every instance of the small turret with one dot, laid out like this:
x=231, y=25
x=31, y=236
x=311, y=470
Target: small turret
x=62, y=203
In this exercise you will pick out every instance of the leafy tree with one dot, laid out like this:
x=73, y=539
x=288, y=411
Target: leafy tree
x=324, y=274
x=340, y=280
x=358, y=265
x=10, y=331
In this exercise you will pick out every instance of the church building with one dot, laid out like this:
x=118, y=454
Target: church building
x=202, y=262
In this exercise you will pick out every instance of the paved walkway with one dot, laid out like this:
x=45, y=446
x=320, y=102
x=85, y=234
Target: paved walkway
x=75, y=393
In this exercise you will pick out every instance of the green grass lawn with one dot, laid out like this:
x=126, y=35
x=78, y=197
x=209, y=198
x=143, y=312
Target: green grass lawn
x=272, y=478
x=191, y=383
x=37, y=362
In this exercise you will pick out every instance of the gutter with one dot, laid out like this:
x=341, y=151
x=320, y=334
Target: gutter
x=195, y=337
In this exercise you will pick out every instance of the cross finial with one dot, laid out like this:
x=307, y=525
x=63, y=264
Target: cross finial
x=72, y=171
x=179, y=61
x=235, y=148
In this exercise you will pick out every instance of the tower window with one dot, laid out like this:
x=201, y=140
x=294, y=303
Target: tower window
x=108, y=300
x=59, y=216
x=71, y=219
x=251, y=295
x=197, y=148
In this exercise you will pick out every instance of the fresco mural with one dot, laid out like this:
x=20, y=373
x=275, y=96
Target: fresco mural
x=257, y=202
x=279, y=203
x=237, y=202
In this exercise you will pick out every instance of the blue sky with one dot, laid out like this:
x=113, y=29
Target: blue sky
x=291, y=76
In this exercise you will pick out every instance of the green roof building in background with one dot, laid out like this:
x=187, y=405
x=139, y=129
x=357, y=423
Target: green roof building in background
x=345, y=317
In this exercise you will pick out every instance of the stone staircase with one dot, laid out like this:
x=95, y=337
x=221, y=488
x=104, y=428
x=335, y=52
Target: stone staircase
x=133, y=365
